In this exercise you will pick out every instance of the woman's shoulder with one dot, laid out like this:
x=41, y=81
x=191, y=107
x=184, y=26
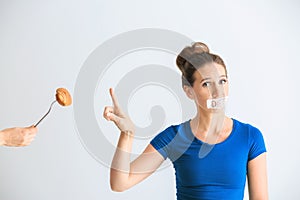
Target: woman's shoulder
x=242, y=124
x=247, y=129
x=254, y=138
x=171, y=131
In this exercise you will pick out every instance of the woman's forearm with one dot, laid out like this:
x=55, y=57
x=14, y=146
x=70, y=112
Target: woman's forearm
x=120, y=166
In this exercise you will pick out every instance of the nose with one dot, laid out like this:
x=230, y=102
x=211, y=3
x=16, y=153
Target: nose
x=216, y=91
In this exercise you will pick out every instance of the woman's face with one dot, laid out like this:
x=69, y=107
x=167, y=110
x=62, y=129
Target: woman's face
x=210, y=83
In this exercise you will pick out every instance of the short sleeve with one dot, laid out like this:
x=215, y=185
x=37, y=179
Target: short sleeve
x=256, y=143
x=161, y=141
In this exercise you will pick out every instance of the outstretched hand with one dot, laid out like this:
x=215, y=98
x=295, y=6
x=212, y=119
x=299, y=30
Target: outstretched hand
x=17, y=136
x=115, y=113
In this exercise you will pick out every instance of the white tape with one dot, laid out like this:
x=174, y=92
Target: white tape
x=218, y=103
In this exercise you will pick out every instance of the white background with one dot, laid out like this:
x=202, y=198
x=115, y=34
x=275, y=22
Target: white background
x=43, y=45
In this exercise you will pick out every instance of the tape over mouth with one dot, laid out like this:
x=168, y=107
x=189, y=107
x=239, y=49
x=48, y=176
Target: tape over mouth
x=216, y=103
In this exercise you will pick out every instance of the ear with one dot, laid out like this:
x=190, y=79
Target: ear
x=189, y=91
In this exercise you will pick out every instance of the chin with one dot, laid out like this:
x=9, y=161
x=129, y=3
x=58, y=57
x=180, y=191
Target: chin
x=216, y=110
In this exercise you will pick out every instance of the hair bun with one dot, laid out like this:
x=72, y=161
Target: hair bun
x=188, y=52
x=199, y=47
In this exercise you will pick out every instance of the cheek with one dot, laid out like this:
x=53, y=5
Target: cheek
x=226, y=89
x=202, y=94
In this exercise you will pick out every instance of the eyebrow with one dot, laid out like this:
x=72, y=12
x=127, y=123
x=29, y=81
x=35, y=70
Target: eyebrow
x=205, y=79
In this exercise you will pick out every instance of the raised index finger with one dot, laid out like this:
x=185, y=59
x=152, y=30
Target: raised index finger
x=113, y=97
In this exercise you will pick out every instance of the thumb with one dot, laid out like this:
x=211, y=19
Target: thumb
x=32, y=129
x=112, y=117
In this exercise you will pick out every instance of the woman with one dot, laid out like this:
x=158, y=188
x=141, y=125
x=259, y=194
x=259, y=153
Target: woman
x=212, y=154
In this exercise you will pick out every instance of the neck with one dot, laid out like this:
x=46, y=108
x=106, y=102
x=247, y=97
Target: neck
x=208, y=121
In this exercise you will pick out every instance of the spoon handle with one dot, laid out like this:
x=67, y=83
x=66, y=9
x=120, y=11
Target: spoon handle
x=45, y=114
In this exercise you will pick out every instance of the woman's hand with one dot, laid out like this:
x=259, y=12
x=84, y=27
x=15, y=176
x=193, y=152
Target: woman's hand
x=114, y=113
x=17, y=136
x=124, y=173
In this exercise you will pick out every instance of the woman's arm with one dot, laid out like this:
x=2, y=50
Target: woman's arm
x=125, y=174
x=257, y=178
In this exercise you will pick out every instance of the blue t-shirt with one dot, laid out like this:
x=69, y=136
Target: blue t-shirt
x=210, y=172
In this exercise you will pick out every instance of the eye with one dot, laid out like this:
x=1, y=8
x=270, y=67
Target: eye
x=206, y=84
x=223, y=81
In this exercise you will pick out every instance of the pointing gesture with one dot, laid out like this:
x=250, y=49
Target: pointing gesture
x=115, y=113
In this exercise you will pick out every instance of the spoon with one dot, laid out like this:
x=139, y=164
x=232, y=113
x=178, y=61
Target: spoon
x=63, y=97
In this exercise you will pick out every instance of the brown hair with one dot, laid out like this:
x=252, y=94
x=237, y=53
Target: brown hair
x=192, y=58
